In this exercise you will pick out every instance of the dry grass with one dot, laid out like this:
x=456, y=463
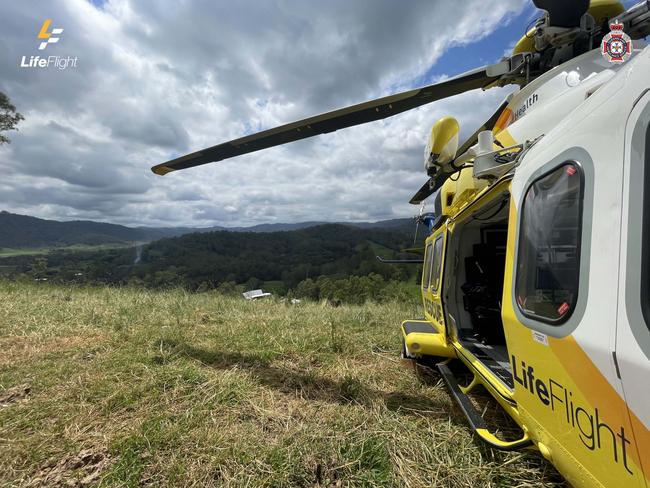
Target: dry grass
x=121, y=387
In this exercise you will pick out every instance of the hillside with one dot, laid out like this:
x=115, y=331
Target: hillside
x=291, y=256
x=22, y=231
x=406, y=225
x=126, y=387
x=208, y=260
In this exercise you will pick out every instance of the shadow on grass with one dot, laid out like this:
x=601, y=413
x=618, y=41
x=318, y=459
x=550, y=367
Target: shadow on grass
x=308, y=385
x=347, y=390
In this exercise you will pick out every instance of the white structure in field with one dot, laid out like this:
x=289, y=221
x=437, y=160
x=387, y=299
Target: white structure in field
x=254, y=294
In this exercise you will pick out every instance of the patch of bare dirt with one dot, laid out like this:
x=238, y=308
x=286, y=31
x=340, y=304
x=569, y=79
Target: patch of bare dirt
x=75, y=470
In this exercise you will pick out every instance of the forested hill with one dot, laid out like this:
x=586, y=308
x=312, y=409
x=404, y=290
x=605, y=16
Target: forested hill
x=280, y=261
x=292, y=256
x=22, y=231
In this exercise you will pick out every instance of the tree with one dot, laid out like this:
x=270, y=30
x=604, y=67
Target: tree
x=230, y=288
x=39, y=267
x=307, y=289
x=253, y=283
x=203, y=287
x=9, y=118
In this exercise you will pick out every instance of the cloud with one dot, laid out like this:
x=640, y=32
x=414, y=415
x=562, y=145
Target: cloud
x=157, y=79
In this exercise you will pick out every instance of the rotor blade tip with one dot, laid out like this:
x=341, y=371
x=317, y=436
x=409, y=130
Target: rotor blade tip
x=161, y=170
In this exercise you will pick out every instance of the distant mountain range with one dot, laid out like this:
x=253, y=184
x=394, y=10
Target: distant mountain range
x=22, y=231
x=382, y=224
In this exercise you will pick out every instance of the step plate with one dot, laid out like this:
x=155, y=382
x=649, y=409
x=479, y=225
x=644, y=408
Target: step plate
x=501, y=369
x=418, y=326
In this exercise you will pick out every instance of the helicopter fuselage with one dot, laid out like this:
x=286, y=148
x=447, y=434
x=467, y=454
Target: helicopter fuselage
x=537, y=281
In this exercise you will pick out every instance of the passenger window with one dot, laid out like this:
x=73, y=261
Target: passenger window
x=645, y=234
x=548, y=264
x=426, y=267
x=435, y=266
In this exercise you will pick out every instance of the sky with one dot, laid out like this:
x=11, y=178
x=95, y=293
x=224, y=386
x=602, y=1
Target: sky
x=157, y=79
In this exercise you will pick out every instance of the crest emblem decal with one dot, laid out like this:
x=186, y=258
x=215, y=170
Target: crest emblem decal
x=617, y=45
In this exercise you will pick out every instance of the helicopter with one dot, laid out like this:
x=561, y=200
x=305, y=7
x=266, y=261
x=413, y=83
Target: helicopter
x=536, y=270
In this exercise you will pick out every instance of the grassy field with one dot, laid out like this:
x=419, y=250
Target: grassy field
x=123, y=387
x=6, y=252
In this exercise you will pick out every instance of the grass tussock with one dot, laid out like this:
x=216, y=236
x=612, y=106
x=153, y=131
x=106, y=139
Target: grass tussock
x=125, y=387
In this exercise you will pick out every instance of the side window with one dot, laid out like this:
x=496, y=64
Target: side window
x=425, y=268
x=548, y=261
x=645, y=233
x=437, y=262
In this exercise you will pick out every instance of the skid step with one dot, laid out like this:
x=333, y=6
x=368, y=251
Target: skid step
x=422, y=339
x=473, y=416
x=418, y=327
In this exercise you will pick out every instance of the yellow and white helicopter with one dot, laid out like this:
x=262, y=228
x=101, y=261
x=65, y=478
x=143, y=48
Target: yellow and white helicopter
x=536, y=276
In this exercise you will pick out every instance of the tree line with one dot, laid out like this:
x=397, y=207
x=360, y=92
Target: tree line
x=328, y=261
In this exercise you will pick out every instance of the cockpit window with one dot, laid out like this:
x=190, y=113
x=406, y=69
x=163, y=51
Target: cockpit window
x=436, y=265
x=548, y=262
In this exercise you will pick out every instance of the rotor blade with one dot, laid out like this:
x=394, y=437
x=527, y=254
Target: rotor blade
x=429, y=188
x=415, y=237
x=636, y=20
x=563, y=13
x=380, y=108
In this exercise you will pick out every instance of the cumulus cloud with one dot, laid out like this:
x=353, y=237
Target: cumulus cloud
x=157, y=79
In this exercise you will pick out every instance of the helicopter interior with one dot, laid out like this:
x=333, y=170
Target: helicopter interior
x=477, y=252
